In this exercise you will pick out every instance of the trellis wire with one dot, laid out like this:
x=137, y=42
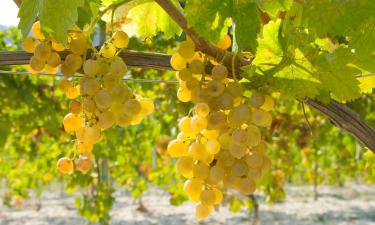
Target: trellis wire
x=24, y=73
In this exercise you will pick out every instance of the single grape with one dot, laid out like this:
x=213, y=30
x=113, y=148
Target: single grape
x=36, y=63
x=74, y=61
x=72, y=122
x=239, y=168
x=202, y=211
x=225, y=42
x=196, y=66
x=28, y=45
x=186, y=49
x=84, y=147
x=246, y=186
x=193, y=188
x=65, y=165
x=185, y=125
x=235, y=89
x=184, y=74
x=91, y=67
x=120, y=39
x=103, y=100
x=83, y=164
x=198, y=123
x=147, y=106
x=202, y=109
x=261, y=118
x=218, y=196
x=66, y=70
x=256, y=100
x=118, y=67
x=219, y=72
x=197, y=150
x=216, y=174
x=201, y=171
x=78, y=45
x=178, y=62
x=89, y=86
x=177, y=148
x=75, y=107
x=133, y=107
x=108, y=50
x=54, y=60
x=120, y=93
x=106, y=120
x=212, y=146
x=185, y=166
x=42, y=51
x=254, y=160
x=215, y=88
x=208, y=197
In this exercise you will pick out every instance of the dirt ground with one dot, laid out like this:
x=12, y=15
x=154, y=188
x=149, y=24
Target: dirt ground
x=349, y=205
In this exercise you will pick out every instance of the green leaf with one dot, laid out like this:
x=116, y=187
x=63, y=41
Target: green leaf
x=86, y=13
x=56, y=16
x=273, y=7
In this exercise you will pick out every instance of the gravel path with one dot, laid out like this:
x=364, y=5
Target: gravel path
x=350, y=205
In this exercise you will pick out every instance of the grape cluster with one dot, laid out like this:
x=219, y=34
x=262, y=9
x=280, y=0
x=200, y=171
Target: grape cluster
x=220, y=145
x=100, y=100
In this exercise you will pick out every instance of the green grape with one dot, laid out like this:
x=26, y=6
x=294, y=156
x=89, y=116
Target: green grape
x=235, y=89
x=240, y=137
x=28, y=45
x=231, y=181
x=219, y=72
x=254, y=173
x=177, y=148
x=196, y=66
x=201, y=171
x=216, y=174
x=110, y=81
x=246, y=186
x=66, y=70
x=237, y=151
x=193, y=188
x=226, y=158
x=72, y=122
x=261, y=118
x=197, y=150
x=186, y=49
x=89, y=86
x=42, y=51
x=91, y=67
x=203, y=210
x=239, y=168
x=225, y=140
x=106, y=119
x=54, y=60
x=254, y=160
x=184, y=94
x=216, y=120
x=133, y=107
x=202, y=109
x=178, y=62
x=239, y=115
x=223, y=102
x=120, y=39
x=208, y=197
x=198, y=123
x=193, y=83
x=184, y=125
x=88, y=105
x=108, y=50
x=120, y=93
x=268, y=104
x=254, y=135
x=215, y=88
x=78, y=45
x=184, y=74
x=261, y=148
x=74, y=61
x=212, y=146
x=123, y=120
x=103, y=100
x=118, y=67
x=88, y=134
x=147, y=106
x=36, y=63
x=185, y=166
x=256, y=100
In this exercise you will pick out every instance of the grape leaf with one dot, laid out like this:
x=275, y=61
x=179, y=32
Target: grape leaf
x=56, y=16
x=272, y=7
x=86, y=13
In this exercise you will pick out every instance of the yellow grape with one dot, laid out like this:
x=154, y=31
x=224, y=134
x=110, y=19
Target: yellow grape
x=36, y=29
x=216, y=174
x=84, y=147
x=254, y=173
x=75, y=107
x=266, y=163
x=208, y=197
x=103, y=100
x=64, y=85
x=74, y=61
x=211, y=134
x=123, y=120
x=89, y=86
x=66, y=70
x=136, y=119
x=254, y=135
x=237, y=151
x=110, y=81
x=193, y=83
x=261, y=118
x=246, y=186
x=268, y=104
x=193, y=188
x=202, y=109
x=261, y=148
x=178, y=62
x=184, y=74
x=201, y=171
x=186, y=49
x=226, y=158
x=184, y=95
x=88, y=134
x=28, y=45
x=225, y=42
x=177, y=148
x=83, y=164
x=147, y=106
x=215, y=88
x=88, y=105
x=108, y=50
x=185, y=166
x=133, y=107
x=256, y=100
x=91, y=67
x=240, y=137
x=54, y=60
x=231, y=181
x=216, y=120
x=197, y=150
x=72, y=122
x=106, y=120
x=218, y=196
x=118, y=67
x=235, y=89
x=224, y=101
x=212, y=146
x=120, y=39
x=182, y=136
x=57, y=46
x=36, y=63
x=219, y=72
x=239, y=168
x=196, y=66
x=198, y=123
x=42, y=51
x=120, y=93
x=225, y=140
x=65, y=165
x=72, y=92
x=254, y=160
x=78, y=45
x=185, y=125
x=50, y=69
x=239, y=115
x=202, y=211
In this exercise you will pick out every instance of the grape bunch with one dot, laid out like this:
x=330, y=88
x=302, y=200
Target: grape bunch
x=99, y=100
x=220, y=142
